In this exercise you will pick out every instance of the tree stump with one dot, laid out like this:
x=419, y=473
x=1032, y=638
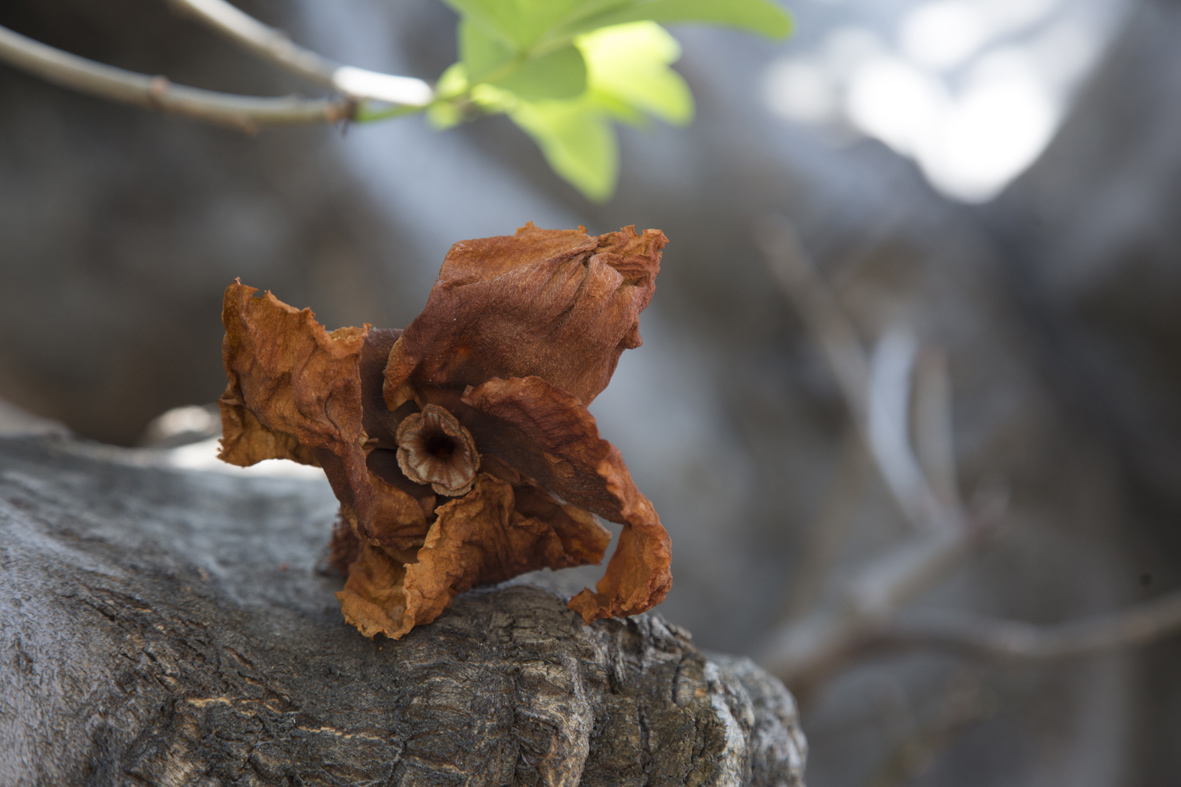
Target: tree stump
x=160, y=626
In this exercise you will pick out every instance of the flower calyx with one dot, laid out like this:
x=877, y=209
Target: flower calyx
x=435, y=449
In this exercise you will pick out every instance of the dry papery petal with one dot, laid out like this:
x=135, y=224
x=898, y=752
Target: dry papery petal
x=477, y=539
x=558, y=304
x=549, y=435
x=293, y=387
x=297, y=391
x=373, y=599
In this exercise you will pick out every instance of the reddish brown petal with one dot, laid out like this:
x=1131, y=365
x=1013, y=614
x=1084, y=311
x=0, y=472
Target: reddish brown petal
x=373, y=599
x=345, y=546
x=558, y=304
x=246, y=441
x=295, y=391
x=548, y=434
x=293, y=387
x=396, y=519
x=380, y=423
x=583, y=539
x=476, y=540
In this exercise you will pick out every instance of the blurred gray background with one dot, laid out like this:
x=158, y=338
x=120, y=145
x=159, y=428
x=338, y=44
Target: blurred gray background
x=999, y=180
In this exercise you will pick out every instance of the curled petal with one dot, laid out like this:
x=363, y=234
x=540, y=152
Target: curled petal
x=293, y=386
x=373, y=599
x=345, y=546
x=583, y=539
x=395, y=519
x=245, y=441
x=297, y=391
x=549, y=435
x=557, y=304
x=477, y=539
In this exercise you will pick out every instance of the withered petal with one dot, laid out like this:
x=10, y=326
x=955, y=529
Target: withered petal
x=583, y=539
x=519, y=334
x=293, y=386
x=344, y=547
x=557, y=304
x=245, y=441
x=295, y=391
x=396, y=519
x=549, y=435
x=373, y=599
x=477, y=539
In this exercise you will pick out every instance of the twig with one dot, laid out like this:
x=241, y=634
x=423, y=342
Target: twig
x=933, y=433
x=823, y=317
x=804, y=652
x=1136, y=625
x=963, y=704
x=891, y=369
x=877, y=393
x=274, y=46
x=248, y=113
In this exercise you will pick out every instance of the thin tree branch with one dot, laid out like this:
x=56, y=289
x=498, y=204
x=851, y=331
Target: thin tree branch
x=876, y=391
x=801, y=653
x=892, y=367
x=963, y=704
x=247, y=113
x=275, y=47
x=823, y=317
x=1136, y=625
x=934, y=437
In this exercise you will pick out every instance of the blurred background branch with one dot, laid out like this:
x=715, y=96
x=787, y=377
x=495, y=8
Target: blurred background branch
x=862, y=617
x=1007, y=640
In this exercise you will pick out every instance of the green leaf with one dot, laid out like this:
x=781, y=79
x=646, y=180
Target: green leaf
x=630, y=74
x=520, y=23
x=482, y=52
x=578, y=142
x=756, y=16
x=565, y=70
x=559, y=74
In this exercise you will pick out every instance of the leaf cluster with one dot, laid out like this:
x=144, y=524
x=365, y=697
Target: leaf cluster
x=565, y=71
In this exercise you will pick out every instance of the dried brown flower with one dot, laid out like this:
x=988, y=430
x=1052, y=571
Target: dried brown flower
x=461, y=449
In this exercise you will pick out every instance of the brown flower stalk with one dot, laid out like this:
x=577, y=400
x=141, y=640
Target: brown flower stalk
x=461, y=449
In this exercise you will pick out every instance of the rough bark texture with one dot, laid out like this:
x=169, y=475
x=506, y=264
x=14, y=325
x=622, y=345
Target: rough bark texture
x=169, y=627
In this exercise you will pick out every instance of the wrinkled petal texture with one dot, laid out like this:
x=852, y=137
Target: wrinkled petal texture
x=477, y=539
x=557, y=304
x=293, y=387
x=548, y=434
x=295, y=392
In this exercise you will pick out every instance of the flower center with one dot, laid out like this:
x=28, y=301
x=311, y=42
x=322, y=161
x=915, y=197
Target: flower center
x=435, y=449
x=440, y=446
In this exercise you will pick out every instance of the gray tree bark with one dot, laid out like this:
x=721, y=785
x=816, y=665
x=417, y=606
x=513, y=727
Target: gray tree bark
x=167, y=627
